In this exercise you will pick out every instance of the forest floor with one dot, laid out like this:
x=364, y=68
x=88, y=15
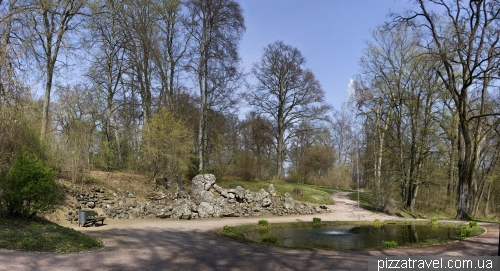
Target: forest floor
x=168, y=244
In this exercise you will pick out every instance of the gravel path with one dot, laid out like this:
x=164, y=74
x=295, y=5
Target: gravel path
x=194, y=245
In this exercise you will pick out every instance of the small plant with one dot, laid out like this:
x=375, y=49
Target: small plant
x=263, y=231
x=389, y=244
x=228, y=229
x=316, y=221
x=271, y=240
x=464, y=232
x=472, y=224
x=263, y=223
x=434, y=220
x=376, y=221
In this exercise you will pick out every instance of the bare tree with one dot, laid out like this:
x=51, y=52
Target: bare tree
x=10, y=86
x=258, y=147
x=405, y=83
x=343, y=136
x=139, y=20
x=170, y=54
x=286, y=92
x=47, y=24
x=215, y=26
x=465, y=41
x=108, y=43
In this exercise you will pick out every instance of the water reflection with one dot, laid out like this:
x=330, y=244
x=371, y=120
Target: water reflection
x=338, y=237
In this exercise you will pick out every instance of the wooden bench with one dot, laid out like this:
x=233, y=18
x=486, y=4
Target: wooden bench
x=93, y=218
x=234, y=185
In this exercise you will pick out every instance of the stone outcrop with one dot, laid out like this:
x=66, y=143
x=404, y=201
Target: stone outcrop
x=205, y=199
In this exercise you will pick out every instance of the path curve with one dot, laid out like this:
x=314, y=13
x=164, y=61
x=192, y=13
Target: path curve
x=154, y=244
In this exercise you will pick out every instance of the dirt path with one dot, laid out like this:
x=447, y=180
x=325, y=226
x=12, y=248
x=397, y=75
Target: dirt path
x=193, y=245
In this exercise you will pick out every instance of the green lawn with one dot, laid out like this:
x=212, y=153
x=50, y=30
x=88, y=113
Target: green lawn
x=43, y=236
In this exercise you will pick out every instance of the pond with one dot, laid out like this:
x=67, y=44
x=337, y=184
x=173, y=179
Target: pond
x=338, y=237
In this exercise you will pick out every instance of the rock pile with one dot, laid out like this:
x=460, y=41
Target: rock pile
x=205, y=199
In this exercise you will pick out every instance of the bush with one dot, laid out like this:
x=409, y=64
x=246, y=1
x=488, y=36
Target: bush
x=316, y=220
x=434, y=220
x=463, y=232
x=389, y=244
x=263, y=223
x=271, y=240
x=472, y=224
x=166, y=146
x=228, y=229
x=29, y=187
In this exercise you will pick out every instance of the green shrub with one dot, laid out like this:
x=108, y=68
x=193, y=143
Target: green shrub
x=263, y=223
x=389, y=244
x=271, y=240
x=263, y=231
x=316, y=220
x=376, y=221
x=464, y=232
x=434, y=220
x=472, y=224
x=29, y=187
x=228, y=229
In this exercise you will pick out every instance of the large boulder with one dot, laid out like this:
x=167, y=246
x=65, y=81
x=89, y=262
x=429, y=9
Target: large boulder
x=240, y=193
x=262, y=197
x=202, y=182
x=204, y=196
x=182, y=211
x=272, y=190
x=222, y=208
x=205, y=210
x=288, y=203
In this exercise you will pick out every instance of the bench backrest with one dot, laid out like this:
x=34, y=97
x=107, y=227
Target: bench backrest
x=91, y=213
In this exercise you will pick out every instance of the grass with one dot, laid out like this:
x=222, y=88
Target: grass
x=310, y=193
x=43, y=236
x=365, y=199
x=389, y=244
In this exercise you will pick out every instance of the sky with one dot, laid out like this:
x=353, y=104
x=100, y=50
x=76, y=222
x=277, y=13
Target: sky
x=331, y=35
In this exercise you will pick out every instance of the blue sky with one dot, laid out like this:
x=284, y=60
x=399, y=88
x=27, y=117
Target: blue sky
x=331, y=34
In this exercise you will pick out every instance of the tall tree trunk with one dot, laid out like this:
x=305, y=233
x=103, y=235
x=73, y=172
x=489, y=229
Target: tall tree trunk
x=203, y=84
x=487, y=203
x=464, y=173
x=46, y=102
x=280, y=152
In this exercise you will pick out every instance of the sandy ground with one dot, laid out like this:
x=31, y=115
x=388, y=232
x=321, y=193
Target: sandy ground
x=193, y=245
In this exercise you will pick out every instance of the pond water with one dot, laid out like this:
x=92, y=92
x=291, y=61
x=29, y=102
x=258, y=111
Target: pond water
x=338, y=237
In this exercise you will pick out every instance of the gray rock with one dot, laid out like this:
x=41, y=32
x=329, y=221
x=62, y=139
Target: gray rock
x=182, y=211
x=202, y=182
x=272, y=191
x=266, y=202
x=205, y=210
x=289, y=202
x=249, y=196
x=240, y=193
x=219, y=189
